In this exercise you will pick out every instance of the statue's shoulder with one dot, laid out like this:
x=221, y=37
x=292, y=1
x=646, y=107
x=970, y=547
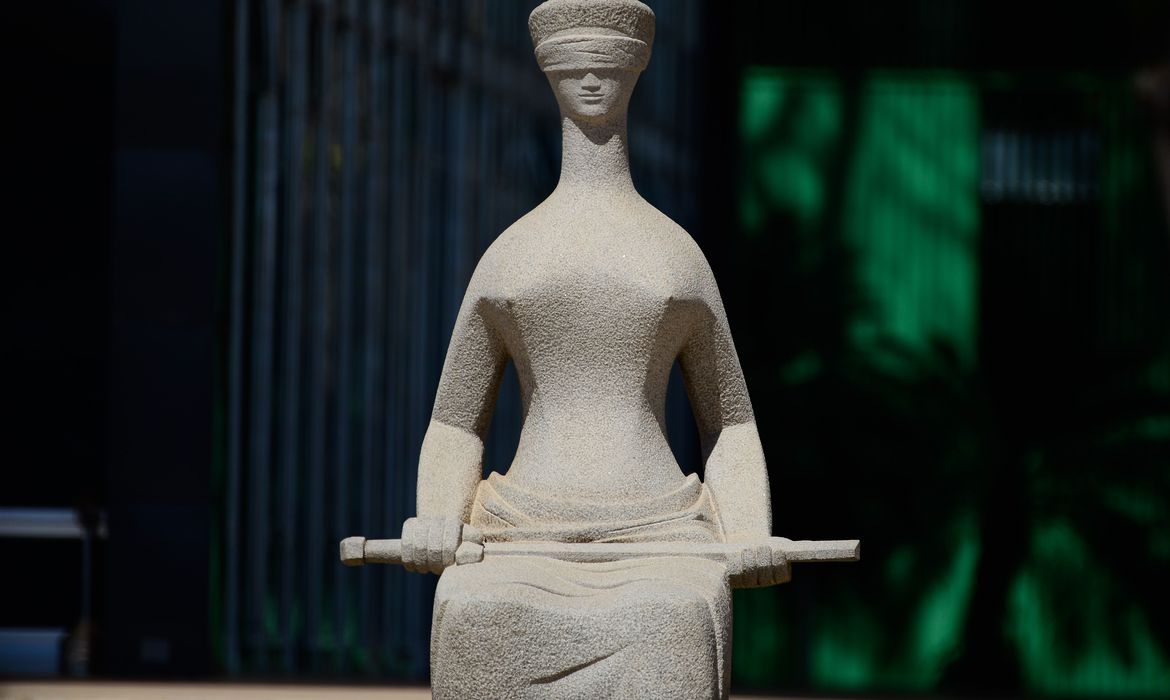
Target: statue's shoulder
x=668, y=230
x=679, y=249
x=502, y=260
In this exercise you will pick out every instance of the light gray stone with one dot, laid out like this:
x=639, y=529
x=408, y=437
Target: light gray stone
x=594, y=567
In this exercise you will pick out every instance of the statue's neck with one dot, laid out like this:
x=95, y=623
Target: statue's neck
x=594, y=157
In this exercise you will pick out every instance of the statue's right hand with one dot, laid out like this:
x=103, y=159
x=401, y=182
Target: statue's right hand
x=429, y=544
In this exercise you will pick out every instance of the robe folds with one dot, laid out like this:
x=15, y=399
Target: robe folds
x=536, y=627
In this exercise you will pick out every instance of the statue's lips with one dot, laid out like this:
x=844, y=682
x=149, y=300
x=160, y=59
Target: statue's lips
x=591, y=97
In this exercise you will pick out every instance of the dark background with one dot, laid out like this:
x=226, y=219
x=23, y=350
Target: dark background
x=242, y=230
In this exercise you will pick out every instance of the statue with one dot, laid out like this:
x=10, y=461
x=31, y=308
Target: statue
x=594, y=567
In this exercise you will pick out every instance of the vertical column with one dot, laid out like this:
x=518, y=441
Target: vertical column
x=235, y=360
x=318, y=334
x=344, y=368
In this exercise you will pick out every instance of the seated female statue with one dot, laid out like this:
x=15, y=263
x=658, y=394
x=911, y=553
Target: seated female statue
x=593, y=295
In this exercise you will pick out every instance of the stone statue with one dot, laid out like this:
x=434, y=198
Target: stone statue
x=594, y=567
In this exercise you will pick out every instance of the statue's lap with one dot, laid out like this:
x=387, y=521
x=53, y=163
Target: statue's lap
x=511, y=626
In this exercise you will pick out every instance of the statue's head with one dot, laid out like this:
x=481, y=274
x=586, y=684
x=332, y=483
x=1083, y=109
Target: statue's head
x=592, y=52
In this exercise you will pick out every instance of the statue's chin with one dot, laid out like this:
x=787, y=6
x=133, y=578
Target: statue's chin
x=592, y=114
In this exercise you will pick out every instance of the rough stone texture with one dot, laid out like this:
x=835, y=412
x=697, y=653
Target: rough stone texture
x=543, y=628
x=604, y=571
x=624, y=17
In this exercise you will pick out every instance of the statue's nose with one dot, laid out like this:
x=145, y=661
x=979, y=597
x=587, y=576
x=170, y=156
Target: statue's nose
x=591, y=83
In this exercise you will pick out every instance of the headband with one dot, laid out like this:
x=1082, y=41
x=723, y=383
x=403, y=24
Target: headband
x=592, y=51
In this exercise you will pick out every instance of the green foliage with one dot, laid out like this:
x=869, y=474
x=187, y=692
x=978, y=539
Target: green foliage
x=1007, y=549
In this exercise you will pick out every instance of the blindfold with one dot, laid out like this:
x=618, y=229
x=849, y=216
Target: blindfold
x=584, y=52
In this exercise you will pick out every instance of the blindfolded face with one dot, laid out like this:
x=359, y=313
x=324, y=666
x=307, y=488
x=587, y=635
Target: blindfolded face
x=593, y=94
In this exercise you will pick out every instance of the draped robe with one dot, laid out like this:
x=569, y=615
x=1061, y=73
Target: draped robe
x=519, y=627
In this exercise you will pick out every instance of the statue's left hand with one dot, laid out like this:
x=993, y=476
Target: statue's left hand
x=429, y=544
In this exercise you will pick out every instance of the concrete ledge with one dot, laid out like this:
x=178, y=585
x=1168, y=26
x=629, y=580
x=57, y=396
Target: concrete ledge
x=65, y=690
x=102, y=690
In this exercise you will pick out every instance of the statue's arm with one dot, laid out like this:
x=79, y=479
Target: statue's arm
x=451, y=460
x=735, y=471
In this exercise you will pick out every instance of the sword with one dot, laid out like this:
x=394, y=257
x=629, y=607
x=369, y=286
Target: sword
x=741, y=558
